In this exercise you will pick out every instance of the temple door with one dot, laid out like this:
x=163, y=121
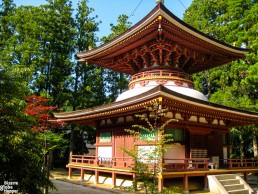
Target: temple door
x=122, y=141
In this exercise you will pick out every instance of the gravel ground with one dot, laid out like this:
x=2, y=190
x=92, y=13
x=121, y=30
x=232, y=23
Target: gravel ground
x=74, y=186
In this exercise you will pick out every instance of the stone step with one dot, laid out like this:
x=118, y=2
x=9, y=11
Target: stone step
x=242, y=191
x=234, y=187
x=230, y=182
x=225, y=176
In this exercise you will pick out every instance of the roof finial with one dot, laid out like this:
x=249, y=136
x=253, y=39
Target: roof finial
x=160, y=1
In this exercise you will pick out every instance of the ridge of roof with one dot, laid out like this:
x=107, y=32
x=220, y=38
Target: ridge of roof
x=158, y=9
x=126, y=32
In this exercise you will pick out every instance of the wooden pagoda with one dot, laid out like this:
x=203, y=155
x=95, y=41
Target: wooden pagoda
x=161, y=52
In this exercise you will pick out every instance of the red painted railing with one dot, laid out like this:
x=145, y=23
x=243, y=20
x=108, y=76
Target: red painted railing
x=118, y=162
x=127, y=162
x=81, y=159
x=242, y=163
x=186, y=164
x=153, y=73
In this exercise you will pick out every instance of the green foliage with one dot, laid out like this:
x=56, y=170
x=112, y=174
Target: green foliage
x=21, y=155
x=87, y=80
x=116, y=82
x=118, y=29
x=52, y=141
x=38, y=45
x=172, y=190
x=234, y=84
x=148, y=162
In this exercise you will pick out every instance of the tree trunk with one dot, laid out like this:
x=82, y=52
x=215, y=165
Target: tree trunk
x=242, y=153
x=255, y=142
x=51, y=155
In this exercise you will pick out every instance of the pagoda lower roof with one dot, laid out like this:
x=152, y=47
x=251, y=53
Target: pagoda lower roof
x=173, y=101
x=164, y=38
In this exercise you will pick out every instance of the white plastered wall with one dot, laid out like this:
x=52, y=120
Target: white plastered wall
x=105, y=151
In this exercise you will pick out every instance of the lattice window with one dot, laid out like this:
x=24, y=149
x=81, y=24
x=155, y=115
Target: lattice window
x=105, y=137
x=199, y=153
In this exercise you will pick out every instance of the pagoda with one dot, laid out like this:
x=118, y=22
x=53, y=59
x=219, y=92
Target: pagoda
x=161, y=53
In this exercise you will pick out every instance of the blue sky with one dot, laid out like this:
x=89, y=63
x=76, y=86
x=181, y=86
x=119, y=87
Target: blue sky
x=109, y=10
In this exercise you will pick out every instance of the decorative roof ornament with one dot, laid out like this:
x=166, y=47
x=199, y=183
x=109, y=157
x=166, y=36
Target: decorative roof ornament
x=160, y=1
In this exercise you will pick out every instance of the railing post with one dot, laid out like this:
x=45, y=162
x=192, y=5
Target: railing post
x=185, y=163
x=206, y=164
x=230, y=163
x=98, y=161
x=113, y=162
x=70, y=157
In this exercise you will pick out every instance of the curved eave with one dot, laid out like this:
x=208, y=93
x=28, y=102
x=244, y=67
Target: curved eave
x=149, y=25
x=200, y=35
x=173, y=99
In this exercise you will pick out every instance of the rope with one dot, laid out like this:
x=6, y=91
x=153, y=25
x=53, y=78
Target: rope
x=135, y=9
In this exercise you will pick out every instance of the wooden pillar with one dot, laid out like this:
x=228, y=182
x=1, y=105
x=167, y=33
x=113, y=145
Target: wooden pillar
x=245, y=177
x=96, y=176
x=70, y=171
x=206, y=186
x=82, y=175
x=113, y=179
x=160, y=182
x=186, y=190
x=134, y=182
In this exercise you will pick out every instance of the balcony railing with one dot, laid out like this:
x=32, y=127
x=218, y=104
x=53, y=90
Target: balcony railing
x=242, y=163
x=187, y=164
x=153, y=73
x=117, y=162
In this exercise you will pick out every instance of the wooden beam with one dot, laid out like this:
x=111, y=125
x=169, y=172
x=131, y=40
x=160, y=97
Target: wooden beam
x=206, y=186
x=70, y=171
x=134, y=182
x=113, y=179
x=160, y=183
x=186, y=189
x=82, y=174
x=96, y=176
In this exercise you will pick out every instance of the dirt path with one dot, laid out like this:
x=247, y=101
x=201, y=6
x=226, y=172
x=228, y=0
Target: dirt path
x=65, y=187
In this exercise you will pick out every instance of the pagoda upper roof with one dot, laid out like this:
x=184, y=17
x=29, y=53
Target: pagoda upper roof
x=162, y=36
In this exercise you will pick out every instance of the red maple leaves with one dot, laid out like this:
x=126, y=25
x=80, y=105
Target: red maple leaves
x=39, y=107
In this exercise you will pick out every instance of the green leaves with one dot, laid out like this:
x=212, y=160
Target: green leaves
x=234, y=84
x=149, y=145
x=17, y=141
x=52, y=141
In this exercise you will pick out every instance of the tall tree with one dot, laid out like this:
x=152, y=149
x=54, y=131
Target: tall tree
x=84, y=76
x=116, y=82
x=38, y=107
x=57, y=38
x=233, y=22
x=6, y=10
x=17, y=141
